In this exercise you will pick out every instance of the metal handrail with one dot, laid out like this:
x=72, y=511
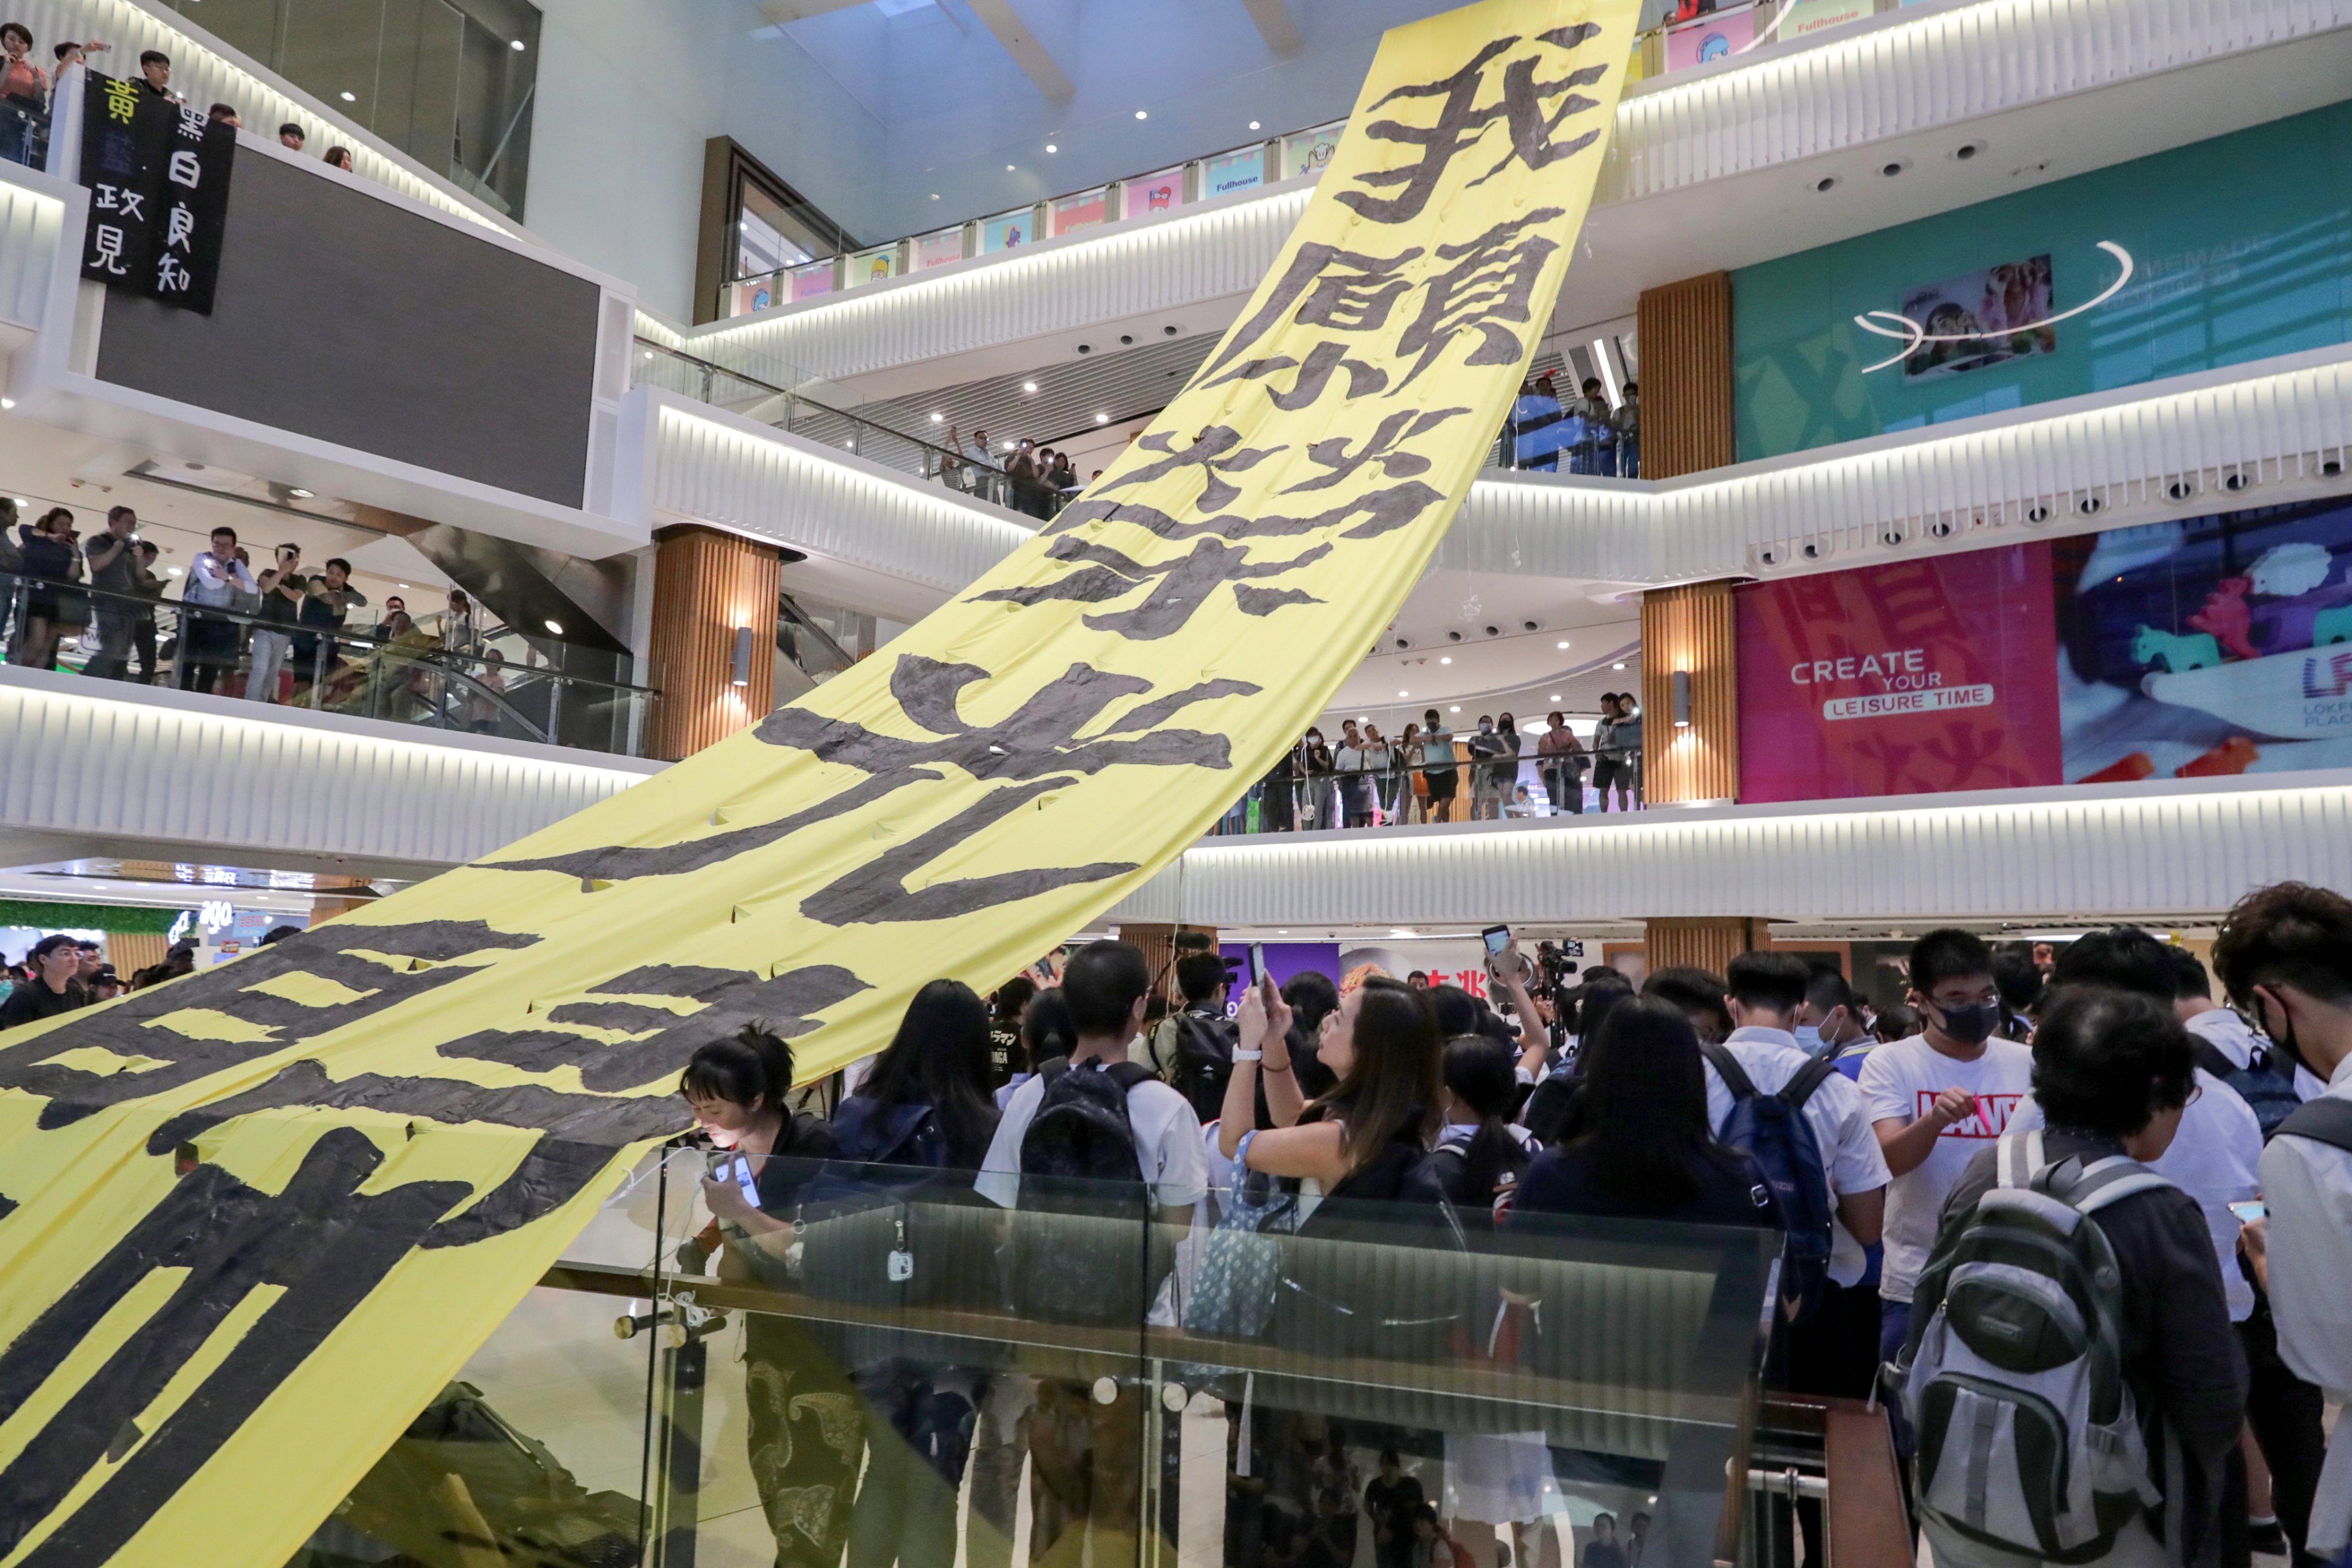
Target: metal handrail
x=16, y=588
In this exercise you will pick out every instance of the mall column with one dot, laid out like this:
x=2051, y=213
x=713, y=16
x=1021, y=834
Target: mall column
x=712, y=649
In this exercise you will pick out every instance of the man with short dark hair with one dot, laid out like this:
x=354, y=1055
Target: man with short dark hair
x=155, y=74
x=2286, y=956
x=225, y=115
x=1437, y=764
x=2113, y=1075
x=54, y=961
x=2020, y=980
x=1696, y=994
x=207, y=643
x=113, y=562
x=1935, y=1098
x=149, y=589
x=283, y=588
x=326, y=602
x=290, y=137
x=1192, y=1049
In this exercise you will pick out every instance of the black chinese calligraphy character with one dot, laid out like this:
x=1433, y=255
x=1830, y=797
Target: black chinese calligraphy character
x=1216, y=452
x=1491, y=286
x=1382, y=448
x=1177, y=589
x=1343, y=291
x=1314, y=371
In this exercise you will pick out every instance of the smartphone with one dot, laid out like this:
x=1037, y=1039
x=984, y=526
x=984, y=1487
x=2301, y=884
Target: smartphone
x=2249, y=1211
x=1256, y=961
x=1498, y=938
x=735, y=1168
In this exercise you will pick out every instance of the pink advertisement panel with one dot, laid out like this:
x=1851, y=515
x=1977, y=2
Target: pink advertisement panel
x=1912, y=678
x=1710, y=38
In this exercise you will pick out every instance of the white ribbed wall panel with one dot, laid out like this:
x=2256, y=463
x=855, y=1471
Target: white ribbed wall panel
x=205, y=71
x=2276, y=426
x=31, y=222
x=1056, y=287
x=1910, y=71
x=1913, y=71
x=714, y=467
x=134, y=764
x=2169, y=847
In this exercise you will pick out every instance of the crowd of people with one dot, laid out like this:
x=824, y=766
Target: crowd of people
x=281, y=633
x=62, y=972
x=1430, y=773
x=28, y=93
x=1035, y=481
x=1593, y=435
x=2089, y=1138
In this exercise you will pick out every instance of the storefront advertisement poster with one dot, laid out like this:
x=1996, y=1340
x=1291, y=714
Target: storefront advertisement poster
x=1305, y=151
x=1083, y=210
x=1912, y=678
x=815, y=277
x=1147, y=193
x=2208, y=645
x=1710, y=38
x=1242, y=168
x=1812, y=15
x=870, y=266
x=1989, y=314
x=935, y=248
x=1008, y=230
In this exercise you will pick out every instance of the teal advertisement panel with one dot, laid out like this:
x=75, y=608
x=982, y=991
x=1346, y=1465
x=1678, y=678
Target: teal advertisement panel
x=2232, y=249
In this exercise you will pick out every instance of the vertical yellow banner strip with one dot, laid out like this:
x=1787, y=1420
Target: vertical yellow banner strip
x=251, y=1222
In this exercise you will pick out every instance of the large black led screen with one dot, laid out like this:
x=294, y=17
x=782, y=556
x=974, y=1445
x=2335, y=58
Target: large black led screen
x=355, y=321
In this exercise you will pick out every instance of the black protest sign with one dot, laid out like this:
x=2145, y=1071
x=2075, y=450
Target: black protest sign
x=158, y=174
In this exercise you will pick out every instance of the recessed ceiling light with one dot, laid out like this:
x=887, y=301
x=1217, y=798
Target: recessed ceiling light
x=1282, y=930
x=1102, y=418
x=171, y=571
x=1253, y=124
x=934, y=196
x=1617, y=667
x=299, y=491
x=1008, y=168
x=1455, y=708
x=937, y=418
x=516, y=46
x=1563, y=645
x=1051, y=148
x=406, y=589
x=1143, y=114
x=1553, y=697
x=554, y=628
x=1404, y=694
x=350, y=98
x=1028, y=386
x=1447, y=659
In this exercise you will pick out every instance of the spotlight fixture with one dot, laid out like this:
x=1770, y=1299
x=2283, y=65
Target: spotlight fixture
x=1143, y=114
x=1168, y=332
x=1400, y=694
x=938, y=418
x=1619, y=665
x=299, y=493
x=1447, y=659
x=1681, y=698
x=1102, y=418
x=1826, y=183
x=1029, y=386
x=1563, y=643
x=741, y=674
x=1553, y=697
x=1253, y=124
x=1455, y=708
x=350, y=98
x=2236, y=480
x=1051, y=148
x=516, y=46
x=1126, y=338
x=554, y=628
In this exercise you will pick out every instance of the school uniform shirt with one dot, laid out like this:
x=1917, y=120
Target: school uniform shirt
x=1167, y=1144
x=1900, y=1081
x=1851, y=1157
x=2308, y=1186
x=2236, y=1039
x=2213, y=1159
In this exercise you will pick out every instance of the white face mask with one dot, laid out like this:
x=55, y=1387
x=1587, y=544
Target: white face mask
x=1808, y=1037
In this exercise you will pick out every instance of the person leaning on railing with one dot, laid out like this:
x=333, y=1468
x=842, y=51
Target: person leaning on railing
x=50, y=610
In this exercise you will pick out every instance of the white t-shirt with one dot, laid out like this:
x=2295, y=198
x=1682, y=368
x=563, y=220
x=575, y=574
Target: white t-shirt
x=2308, y=1186
x=1851, y=1156
x=1167, y=1144
x=2213, y=1159
x=1900, y=1081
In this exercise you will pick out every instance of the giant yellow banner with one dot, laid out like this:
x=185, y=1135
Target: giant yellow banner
x=251, y=1222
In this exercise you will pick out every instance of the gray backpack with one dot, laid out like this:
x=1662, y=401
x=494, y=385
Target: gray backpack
x=2027, y=1438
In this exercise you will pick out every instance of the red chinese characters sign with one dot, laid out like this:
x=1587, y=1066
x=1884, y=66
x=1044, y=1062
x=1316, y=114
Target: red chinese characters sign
x=1913, y=678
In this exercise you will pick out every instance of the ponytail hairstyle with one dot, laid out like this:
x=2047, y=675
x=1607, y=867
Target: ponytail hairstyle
x=1048, y=1030
x=752, y=1067
x=1482, y=1072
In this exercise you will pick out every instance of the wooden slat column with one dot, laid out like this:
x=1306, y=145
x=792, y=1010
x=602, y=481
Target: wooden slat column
x=1690, y=629
x=705, y=585
x=1708, y=943
x=1685, y=343
x=131, y=952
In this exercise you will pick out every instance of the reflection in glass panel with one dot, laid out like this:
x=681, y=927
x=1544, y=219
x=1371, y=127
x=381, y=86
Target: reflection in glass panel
x=763, y=234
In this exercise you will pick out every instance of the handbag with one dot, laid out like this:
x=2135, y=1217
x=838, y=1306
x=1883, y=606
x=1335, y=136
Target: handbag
x=1233, y=1289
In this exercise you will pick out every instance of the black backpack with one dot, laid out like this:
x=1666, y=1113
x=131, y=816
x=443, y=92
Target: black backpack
x=2265, y=1084
x=2327, y=1120
x=1083, y=1249
x=1196, y=1060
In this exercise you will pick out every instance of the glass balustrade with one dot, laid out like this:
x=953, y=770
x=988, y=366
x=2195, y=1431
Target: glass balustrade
x=876, y=1365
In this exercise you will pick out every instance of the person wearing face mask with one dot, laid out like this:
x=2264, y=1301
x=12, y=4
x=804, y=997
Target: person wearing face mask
x=1829, y=1021
x=1486, y=769
x=2286, y=956
x=1318, y=767
x=1934, y=1100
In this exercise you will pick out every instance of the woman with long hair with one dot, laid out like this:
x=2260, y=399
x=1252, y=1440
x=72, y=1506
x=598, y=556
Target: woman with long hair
x=1412, y=786
x=926, y=1106
x=806, y=1437
x=51, y=558
x=1637, y=1144
x=1363, y=1135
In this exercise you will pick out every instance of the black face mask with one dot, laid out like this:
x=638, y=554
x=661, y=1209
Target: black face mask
x=1972, y=1023
x=2281, y=1043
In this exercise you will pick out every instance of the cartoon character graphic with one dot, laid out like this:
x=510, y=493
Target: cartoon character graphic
x=880, y=269
x=2227, y=616
x=2153, y=646
x=1159, y=199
